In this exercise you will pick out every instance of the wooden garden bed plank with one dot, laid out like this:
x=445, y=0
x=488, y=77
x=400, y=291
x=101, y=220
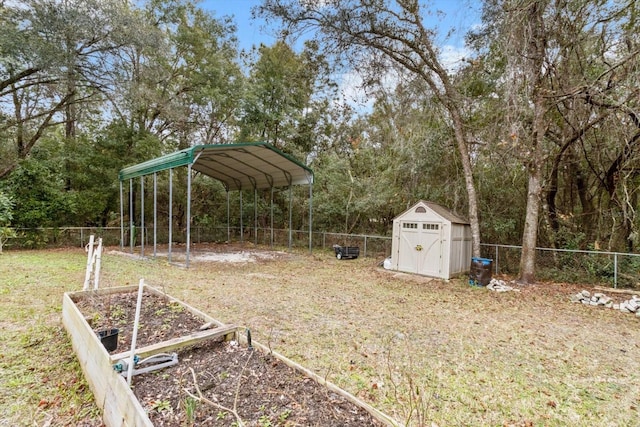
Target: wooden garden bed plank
x=176, y=343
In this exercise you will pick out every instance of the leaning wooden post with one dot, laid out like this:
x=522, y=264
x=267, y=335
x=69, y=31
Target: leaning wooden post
x=135, y=332
x=87, y=276
x=96, y=274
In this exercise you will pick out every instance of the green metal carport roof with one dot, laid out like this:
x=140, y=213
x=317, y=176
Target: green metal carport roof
x=238, y=166
x=245, y=166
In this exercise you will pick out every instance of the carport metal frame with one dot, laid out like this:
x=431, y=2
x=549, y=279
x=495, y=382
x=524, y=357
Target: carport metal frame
x=239, y=167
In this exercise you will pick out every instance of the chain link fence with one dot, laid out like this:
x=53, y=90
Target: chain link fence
x=616, y=269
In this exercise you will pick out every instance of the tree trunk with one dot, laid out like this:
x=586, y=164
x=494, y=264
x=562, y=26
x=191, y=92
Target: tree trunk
x=534, y=191
x=535, y=44
x=468, y=180
x=530, y=233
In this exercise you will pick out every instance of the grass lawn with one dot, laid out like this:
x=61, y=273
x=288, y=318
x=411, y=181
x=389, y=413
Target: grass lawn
x=424, y=351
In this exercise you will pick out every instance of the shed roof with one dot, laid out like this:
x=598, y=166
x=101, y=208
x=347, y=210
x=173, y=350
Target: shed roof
x=255, y=165
x=440, y=210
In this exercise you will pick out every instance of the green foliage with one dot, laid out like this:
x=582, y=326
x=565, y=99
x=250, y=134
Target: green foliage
x=41, y=200
x=6, y=209
x=286, y=98
x=6, y=214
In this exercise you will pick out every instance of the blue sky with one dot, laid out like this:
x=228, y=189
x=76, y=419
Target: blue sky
x=249, y=32
x=458, y=13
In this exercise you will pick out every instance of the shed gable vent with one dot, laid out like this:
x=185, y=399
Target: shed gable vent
x=421, y=209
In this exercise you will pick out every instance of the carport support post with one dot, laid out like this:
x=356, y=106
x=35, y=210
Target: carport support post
x=170, y=212
x=311, y=216
x=121, y=219
x=142, y=216
x=255, y=215
x=131, y=226
x=228, y=219
x=241, y=223
x=271, y=215
x=155, y=212
x=188, y=212
x=290, y=215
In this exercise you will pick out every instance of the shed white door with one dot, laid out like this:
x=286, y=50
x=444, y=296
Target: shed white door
x=420, y=248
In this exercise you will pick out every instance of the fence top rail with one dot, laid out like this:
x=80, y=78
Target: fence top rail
x=64, y=228
x=369, y=236
x=579, y=251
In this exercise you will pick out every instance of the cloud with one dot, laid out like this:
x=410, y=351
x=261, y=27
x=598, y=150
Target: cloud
x=451, y=57
x=355, y=94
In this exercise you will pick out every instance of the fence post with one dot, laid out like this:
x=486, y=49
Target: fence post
x=615, y=270
x=365, y=246
x=496, y=259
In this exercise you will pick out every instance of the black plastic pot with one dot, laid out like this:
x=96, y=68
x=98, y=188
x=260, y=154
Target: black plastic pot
x=109, y=338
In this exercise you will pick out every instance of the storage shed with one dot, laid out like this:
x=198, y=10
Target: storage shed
x=430, y=240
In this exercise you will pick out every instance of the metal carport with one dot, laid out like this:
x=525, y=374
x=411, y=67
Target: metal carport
x=242, y=166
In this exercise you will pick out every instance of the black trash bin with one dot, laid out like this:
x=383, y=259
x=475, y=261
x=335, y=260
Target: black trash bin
x=480, y=271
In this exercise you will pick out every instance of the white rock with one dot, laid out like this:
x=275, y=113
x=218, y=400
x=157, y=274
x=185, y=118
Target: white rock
x=586, y=294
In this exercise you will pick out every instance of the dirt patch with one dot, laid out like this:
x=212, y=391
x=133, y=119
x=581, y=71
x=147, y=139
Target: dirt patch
x=160, y=319
x=221, y=253
x=215, y=382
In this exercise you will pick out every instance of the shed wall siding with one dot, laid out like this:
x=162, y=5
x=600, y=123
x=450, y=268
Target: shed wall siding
x=456, y=248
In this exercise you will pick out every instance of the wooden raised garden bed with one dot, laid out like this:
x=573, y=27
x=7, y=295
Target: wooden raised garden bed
x=221, y=378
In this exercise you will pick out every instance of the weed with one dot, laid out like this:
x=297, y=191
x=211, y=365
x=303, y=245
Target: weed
x=161, y=405
x=176, y=308
x=264, y=421
x=117, y=313
x=94, y=319
x=190, y=406
x=284, y=415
